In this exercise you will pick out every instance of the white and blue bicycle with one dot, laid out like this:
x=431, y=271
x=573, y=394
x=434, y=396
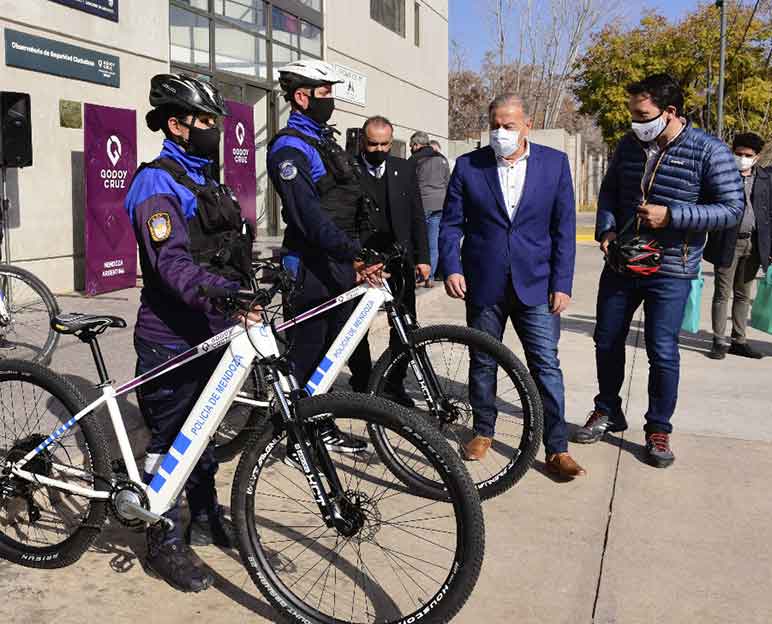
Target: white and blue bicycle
x=343, y=539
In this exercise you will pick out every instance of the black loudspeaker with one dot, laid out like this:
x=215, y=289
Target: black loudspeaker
x=15, y=130
x=352, y=140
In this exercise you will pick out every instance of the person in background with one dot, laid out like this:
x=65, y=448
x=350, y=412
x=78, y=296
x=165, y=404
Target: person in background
x=675, y=182
x=737, y=253
x=433, y=174
x=392, y=207
x=512, y=204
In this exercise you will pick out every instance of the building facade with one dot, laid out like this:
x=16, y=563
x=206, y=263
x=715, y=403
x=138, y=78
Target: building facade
x=393, y=52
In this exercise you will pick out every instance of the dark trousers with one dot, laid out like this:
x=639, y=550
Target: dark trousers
x=310, y=339
x=735, y=282
x=664, y=299
x=539, y=332
x=360, y=362
x=165, y=404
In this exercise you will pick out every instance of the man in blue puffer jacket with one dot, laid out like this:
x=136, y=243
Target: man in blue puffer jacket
x=680, y=183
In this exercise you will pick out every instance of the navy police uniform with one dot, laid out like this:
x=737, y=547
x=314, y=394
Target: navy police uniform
x=183, y=221
x=320, y=196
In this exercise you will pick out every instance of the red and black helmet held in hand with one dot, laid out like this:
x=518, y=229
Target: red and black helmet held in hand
x=639, y=255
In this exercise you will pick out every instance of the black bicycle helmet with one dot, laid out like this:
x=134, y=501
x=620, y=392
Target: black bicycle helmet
x=172, y=94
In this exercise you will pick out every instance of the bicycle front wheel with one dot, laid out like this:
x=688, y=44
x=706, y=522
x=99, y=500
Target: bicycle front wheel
x=411, y=559
x=445, y=355
x=27, y=307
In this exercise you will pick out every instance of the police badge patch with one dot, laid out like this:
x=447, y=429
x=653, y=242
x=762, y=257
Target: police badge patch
x=160, y=226
x=287, y=170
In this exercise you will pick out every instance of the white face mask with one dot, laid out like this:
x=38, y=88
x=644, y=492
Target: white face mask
x=504, y=142
x=744, y=163
x=649, y=130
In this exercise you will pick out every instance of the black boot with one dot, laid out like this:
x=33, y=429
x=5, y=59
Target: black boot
x=214, y=528
x=743, y=349
x=175, y=562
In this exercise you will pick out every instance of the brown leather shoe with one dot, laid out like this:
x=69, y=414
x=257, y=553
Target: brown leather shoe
x=563, y=465
x=476, y=448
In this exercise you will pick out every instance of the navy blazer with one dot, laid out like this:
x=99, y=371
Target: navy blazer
x=535, y=251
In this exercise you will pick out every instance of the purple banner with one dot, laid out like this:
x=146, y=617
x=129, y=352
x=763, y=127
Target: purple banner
x=110, y=158
x=239, y=154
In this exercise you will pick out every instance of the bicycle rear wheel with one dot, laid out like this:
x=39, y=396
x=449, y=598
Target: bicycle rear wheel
x=412, y=559
x=445, y=352
x=43, y=527
x=27, y=307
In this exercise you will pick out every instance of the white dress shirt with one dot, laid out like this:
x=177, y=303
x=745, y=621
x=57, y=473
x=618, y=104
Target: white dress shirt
x=512, y=180
x=376, y=172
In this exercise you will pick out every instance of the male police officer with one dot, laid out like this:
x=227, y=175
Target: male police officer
x=190, y=234
x=321, y=200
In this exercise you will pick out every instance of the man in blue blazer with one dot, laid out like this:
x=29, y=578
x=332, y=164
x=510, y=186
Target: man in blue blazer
x=512, y=203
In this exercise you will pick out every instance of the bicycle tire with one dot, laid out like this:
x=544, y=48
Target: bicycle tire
x=41, y=314
x=255, y=545
x=92, y=444
x=241, y=422
x=522, y=457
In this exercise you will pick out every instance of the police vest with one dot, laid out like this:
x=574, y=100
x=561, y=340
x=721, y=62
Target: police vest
x=220, y=239
x=340, y=191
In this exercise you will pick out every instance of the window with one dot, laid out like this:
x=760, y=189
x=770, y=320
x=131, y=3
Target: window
x=239, y=52
x=310, y=39
x=389, y=13
x=286, y=28
x=398, y=148
x=246, y=13
x=417, y=35
x=189, y=37
x=282, y=56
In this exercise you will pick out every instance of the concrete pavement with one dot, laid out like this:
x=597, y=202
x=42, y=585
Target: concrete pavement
x=627, y=544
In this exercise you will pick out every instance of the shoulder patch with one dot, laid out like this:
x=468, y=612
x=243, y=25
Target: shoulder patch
x=287, y=170
x=160, y=226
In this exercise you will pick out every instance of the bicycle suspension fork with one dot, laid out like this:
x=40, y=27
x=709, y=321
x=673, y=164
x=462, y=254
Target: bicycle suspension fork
x=305, y=445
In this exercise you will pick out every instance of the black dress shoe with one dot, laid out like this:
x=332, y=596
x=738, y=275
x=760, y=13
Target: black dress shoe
x=718, y=351
x=744, y=350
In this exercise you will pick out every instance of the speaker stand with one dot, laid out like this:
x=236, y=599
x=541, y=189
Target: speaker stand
x=4, y=216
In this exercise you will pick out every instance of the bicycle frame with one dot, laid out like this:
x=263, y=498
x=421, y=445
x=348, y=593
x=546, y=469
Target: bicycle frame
x=243, y=347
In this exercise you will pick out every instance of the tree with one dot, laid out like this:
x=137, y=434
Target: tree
x=618, y=56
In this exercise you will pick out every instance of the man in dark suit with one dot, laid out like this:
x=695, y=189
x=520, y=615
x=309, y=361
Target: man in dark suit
x=392, y=206
x=737, y=253
x=512, y=203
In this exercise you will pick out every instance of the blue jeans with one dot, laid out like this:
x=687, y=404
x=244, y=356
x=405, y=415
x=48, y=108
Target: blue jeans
x=539, y=332
x=433, y=233
x=664, y=300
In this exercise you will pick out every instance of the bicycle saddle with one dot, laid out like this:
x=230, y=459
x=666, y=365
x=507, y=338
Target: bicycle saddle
x=74, y=323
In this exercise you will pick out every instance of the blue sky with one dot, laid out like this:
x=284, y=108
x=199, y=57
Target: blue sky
x=470, y=26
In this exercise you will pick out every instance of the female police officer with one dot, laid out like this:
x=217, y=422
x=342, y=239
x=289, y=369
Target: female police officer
x=190, y=234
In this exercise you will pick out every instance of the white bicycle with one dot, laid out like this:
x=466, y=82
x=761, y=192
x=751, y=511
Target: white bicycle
x=341, y=540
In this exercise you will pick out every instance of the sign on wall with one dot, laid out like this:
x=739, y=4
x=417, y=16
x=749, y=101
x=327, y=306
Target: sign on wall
x=61, y=59
x=239, y=154
x=353, y=88
x=110, y=160
x=102, y=8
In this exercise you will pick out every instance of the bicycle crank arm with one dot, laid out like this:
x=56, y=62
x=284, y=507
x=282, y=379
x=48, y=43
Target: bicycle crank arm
x=133, y=511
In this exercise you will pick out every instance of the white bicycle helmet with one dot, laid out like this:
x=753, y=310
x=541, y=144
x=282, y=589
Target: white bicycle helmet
x=306, y=73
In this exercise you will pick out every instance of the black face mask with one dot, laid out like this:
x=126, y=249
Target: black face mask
x=320, y=109
x=376, y=159
x=203, y=142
